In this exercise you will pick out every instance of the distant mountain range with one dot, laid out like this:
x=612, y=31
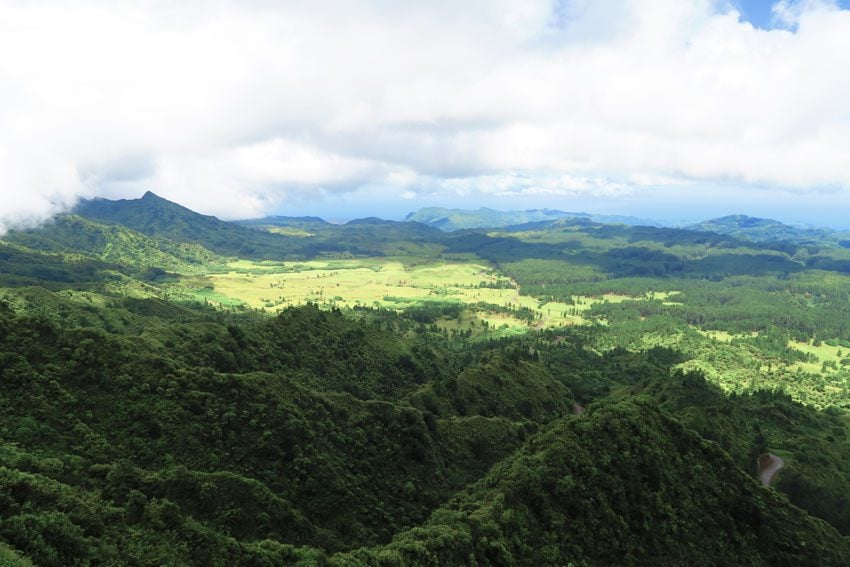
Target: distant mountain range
x=278, y=237
x=459, y=219
x=260, y=239
x=741, y=226
x=769, y=230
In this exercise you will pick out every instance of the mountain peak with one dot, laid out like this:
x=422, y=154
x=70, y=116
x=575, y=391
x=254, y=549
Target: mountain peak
x=158, y=217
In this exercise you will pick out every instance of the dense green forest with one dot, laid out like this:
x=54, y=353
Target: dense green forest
x=148, y=426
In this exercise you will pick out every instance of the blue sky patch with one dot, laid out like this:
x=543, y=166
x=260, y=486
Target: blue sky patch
x=759, y=12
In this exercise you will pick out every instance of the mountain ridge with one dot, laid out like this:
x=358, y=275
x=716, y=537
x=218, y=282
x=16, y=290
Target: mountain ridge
x=458, y=219
x=760, y=229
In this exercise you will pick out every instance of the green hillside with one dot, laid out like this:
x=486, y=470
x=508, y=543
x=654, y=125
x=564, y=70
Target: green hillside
x=230, y=441
x=622, y=474
x=156, y=217
x=70, y=234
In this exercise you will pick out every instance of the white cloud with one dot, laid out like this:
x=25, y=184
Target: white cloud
x=248, y=180
x=790, y=13
x=518, y=184
x=238, y=108
x=30, y=195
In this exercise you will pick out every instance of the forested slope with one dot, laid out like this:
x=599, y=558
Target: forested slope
x=621, y=485
x=156, y=217
x=219, y=439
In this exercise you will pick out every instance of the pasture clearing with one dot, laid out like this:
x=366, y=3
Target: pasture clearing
x=832, y=355
x=392, y=283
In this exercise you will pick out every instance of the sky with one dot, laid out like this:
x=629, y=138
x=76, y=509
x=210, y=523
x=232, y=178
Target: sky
x=665, y=109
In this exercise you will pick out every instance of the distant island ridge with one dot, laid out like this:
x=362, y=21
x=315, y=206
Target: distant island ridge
x=455, y=219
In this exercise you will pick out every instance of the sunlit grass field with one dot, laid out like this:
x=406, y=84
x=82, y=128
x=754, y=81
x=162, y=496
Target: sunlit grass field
x=494, y=305
x=392, y=283
x=823, y=352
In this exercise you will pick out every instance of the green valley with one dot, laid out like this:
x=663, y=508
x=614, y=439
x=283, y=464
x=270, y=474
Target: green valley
x=182, y=390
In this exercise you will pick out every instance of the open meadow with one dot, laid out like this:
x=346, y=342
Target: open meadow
x=491, y=300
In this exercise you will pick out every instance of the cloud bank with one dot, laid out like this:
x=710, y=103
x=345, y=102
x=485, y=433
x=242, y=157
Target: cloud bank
x=240, y=108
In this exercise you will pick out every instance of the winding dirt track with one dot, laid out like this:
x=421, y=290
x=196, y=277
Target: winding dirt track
x=769, y=465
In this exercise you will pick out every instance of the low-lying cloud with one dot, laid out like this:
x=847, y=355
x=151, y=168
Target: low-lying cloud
x=240, y=108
